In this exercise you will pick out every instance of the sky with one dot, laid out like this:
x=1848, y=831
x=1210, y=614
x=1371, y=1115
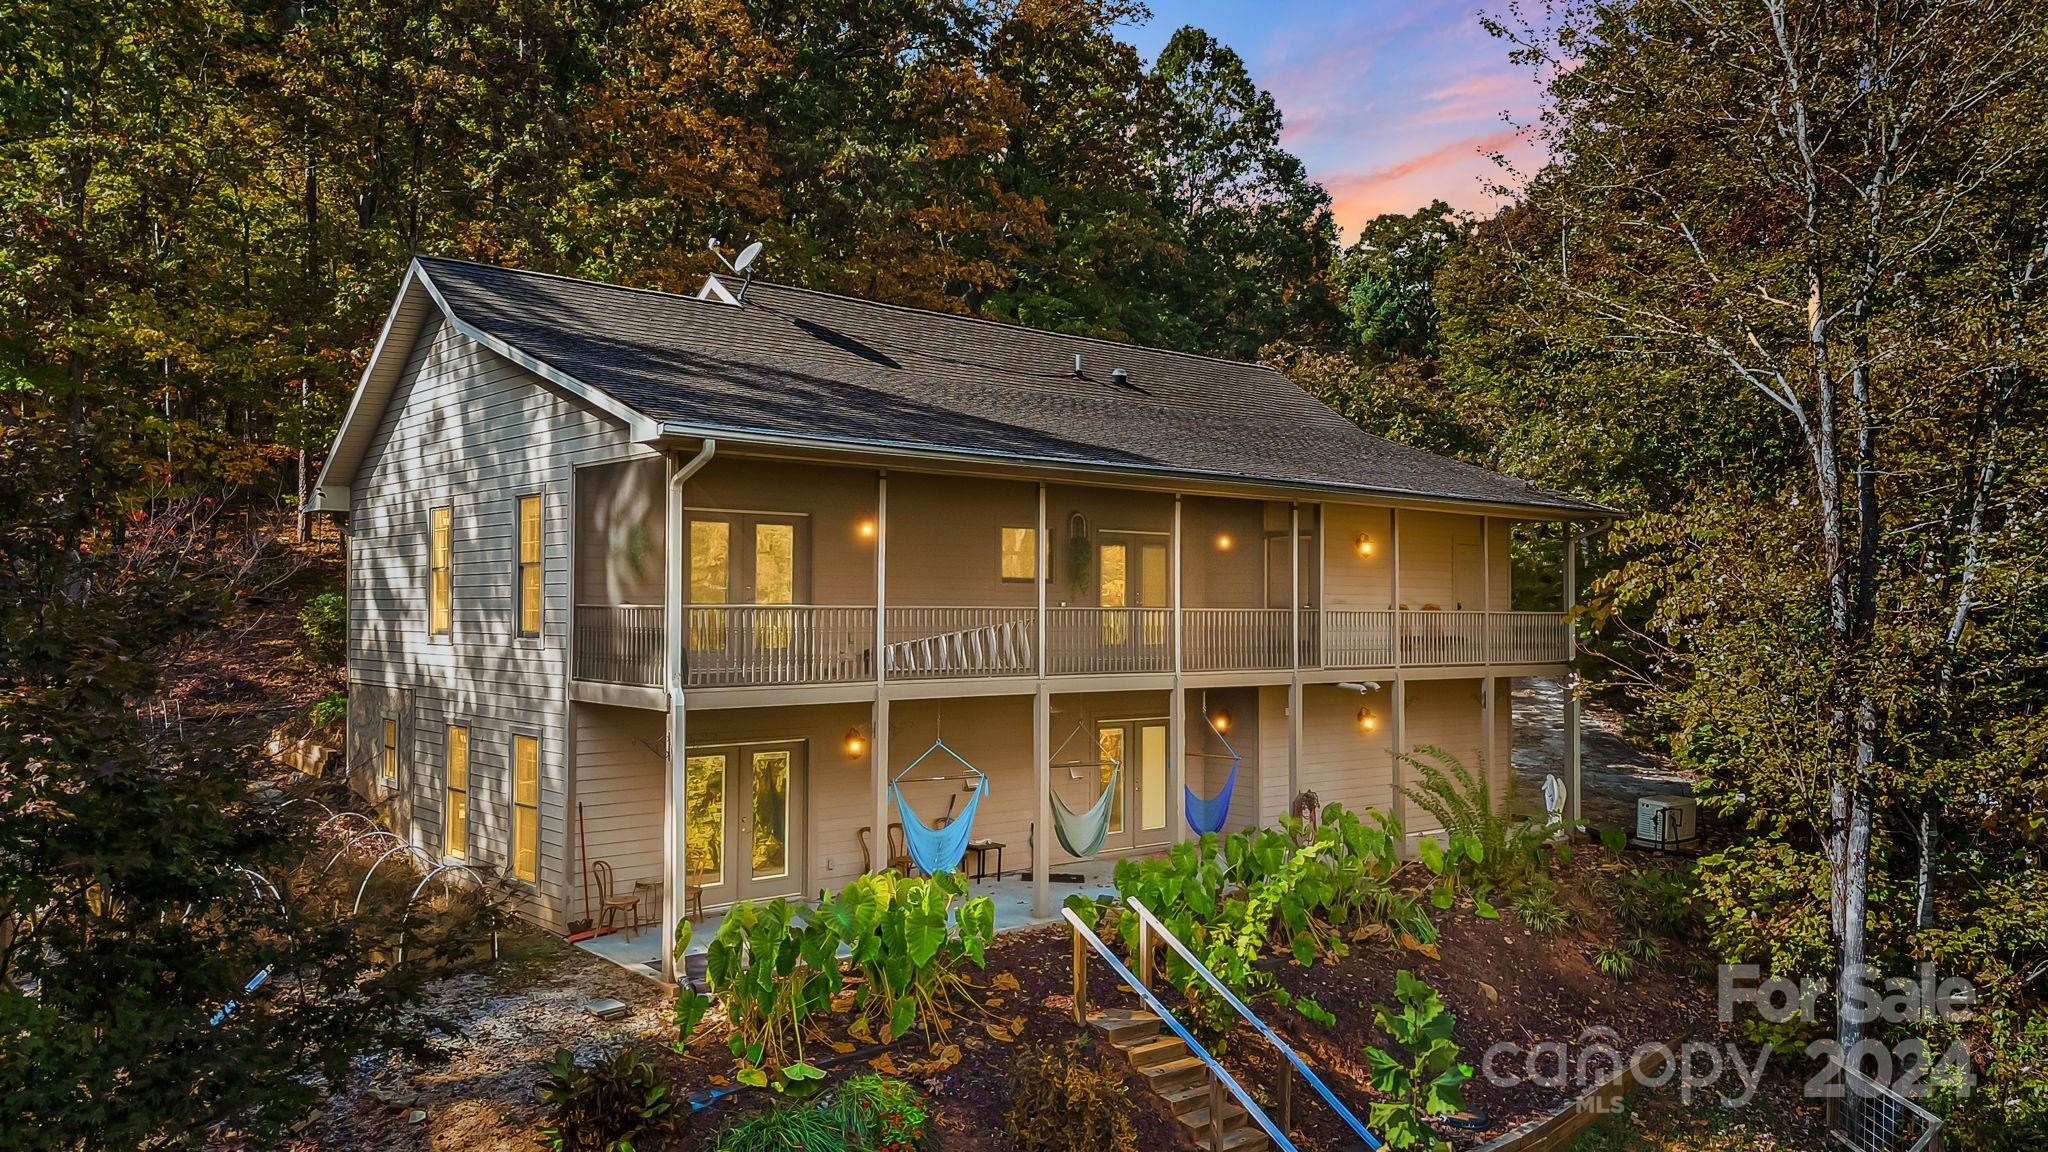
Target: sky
x=1389, y=104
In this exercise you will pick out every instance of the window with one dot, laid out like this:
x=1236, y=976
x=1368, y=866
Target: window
x=388, y=765
x=525, y=807
x=1019, y=550
x=529, y=565
x=455, y=837
x=439, y=560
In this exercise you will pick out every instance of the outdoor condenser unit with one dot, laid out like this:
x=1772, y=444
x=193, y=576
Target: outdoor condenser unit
x=1667, y=821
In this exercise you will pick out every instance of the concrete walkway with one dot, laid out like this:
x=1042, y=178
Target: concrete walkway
x=1613, y=772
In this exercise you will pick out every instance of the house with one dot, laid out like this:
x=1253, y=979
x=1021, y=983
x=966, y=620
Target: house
x=804, y=539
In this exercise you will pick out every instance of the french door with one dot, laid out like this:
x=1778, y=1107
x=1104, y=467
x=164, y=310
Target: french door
x=1138, y=813
x=743, y=820
x=747, y=572
x=1134, y=576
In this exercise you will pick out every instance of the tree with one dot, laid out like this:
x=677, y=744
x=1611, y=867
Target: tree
x=1387, y=278
x=1814, y=207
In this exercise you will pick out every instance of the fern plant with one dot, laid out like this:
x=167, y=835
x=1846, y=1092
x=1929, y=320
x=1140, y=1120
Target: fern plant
x=1503, y=851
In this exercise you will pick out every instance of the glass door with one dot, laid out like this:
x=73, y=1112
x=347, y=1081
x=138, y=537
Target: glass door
x=747, y=573
x=743, y=821
x=1138, y=812
x=1134, y=576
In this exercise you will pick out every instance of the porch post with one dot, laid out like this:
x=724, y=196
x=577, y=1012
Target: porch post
x=1397, y=732
x=1571, y=679
x=1041, y=774
x=1176, y=707
x=1042, y=562
x=878, y=735
x=674, y=835
x=1294, y=647
x=1487, y=750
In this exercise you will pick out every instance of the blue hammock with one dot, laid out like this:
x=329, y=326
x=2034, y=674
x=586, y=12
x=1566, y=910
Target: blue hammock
x=936, y=850
x=1211, y=814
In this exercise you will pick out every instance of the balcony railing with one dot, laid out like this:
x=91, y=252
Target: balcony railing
x=1081, y=641
x=1237, y=639
x=766, y=644
x=943, y=643
x=736, y=644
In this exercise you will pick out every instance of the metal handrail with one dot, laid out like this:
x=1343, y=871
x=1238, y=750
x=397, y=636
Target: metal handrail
x=1251, y=1107
x=1146, y=920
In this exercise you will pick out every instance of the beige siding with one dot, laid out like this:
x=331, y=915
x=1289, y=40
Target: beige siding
x=621, y=532
x=1440, y=561
x=833, y=503
x=1208, y=764
x=1214, y=575
x=1339, y=762
x=475, y=432
x=1274, y=793
x=1443, y=714
x=943, y=540
x=619, y=781
x=1358, y=583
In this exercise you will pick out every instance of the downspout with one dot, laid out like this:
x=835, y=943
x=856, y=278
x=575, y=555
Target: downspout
x=673, y=610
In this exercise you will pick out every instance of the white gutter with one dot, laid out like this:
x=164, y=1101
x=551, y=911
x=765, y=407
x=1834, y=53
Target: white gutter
x=672, y=654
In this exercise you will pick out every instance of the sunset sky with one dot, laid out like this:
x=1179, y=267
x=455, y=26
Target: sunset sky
x=1389, y=104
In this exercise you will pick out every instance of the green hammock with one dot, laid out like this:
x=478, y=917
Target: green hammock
x=1082, y=833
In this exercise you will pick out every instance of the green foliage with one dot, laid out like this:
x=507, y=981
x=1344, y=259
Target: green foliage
x=1309, y=890
x=1388, y=275
x=329, y=711
x=1538, y=907
x=1066, y=1098
x=1766, y=904
x=1423, y=1076
x=1487, y=845
x=1615, y=959
x=791, y=1126
x=603, y=1107
x=323, y=628
x=882, y=1114
x=774, y=966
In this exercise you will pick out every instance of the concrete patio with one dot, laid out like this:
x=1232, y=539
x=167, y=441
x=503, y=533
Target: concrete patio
x=639, y=951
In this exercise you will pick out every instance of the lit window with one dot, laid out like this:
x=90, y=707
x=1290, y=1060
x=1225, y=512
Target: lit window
x=389, y=764
x=525, y=807
x=456, y=837
x=1019, y=548
x=529, y=565
x=439, y=562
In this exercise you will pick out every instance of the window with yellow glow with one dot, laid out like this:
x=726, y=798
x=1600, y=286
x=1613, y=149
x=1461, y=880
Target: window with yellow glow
x=529, y=565
x=440, y=563
x=389, y=762
x=526, y=807
x=455, y=838
x=1019, y=549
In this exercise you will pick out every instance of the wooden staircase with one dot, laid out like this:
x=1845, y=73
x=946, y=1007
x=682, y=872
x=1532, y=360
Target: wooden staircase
x=1181, y=1079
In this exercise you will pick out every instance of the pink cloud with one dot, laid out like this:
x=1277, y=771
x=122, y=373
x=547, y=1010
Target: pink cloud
x=1454, y=172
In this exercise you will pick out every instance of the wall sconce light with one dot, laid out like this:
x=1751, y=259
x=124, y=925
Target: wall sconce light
x=865, y=528
x=1365, y=545
x=1368, y=721
x=856, y=744
x=1220, y=719
x=1223, y=542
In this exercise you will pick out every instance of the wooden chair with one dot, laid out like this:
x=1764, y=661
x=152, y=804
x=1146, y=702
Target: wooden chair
x=899, y=852
x=611, y=902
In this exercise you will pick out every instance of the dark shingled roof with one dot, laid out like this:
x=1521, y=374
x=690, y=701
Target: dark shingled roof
x=838, y=370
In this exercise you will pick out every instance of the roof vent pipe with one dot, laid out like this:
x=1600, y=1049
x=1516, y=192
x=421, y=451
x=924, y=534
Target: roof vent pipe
x=1077, y=365
x=1120, y=378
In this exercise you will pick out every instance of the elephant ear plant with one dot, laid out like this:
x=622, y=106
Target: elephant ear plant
x=1425, y=1078
x=776, y=967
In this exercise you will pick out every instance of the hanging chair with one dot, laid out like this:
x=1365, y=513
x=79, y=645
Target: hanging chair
x=1209, y=815
x=1082, y=833
x=936, y=850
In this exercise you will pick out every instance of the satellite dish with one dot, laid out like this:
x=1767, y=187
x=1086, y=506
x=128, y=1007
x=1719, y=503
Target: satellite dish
x=747, y=256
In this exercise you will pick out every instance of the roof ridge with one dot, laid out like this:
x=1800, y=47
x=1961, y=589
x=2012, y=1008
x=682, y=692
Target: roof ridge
x=862, y=300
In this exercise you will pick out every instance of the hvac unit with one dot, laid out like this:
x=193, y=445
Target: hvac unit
x=1667, y=822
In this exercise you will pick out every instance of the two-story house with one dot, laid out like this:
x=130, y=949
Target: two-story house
x=684, y=584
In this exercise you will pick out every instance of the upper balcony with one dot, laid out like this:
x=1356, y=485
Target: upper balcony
x=804, y=575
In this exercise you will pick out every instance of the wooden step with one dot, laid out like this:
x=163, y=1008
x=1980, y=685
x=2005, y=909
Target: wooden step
x=1144, y=1053
x=1176, y=1074
x=1188, y=1097
x=1245, y=1139
x=1124, y=1026
x=1197, y=1121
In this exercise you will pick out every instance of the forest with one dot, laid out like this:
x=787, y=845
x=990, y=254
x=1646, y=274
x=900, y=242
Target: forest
x=1780, y=292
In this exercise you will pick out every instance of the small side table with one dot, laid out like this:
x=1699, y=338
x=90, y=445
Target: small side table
x=981, y=849
x=649, y=904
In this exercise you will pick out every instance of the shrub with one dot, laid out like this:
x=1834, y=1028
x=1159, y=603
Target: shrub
x=1501, y=850
x=882, y=1114
x=790, y=1127
x=1426, y=1078
x=604, y=1107
x=1065, y=1099
x=329, y=711
x=323, y=628
x=774, y=966
x=1539, y=909
x=1615, y=960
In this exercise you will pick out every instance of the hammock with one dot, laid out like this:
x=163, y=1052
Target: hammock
x=1082, y=833
x=1210, y=815
x=936, y=850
